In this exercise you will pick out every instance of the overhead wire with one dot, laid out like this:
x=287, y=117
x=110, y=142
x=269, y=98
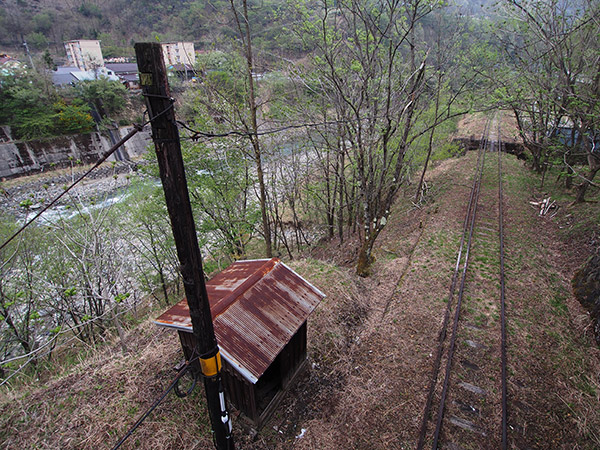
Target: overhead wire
x=37, y=353
x=33, y=355
x=67, y=330
x=196, y=134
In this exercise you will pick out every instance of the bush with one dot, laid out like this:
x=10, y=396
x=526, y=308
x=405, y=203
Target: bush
x=73, y=119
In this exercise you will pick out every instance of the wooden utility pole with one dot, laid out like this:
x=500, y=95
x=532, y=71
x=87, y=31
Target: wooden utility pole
x=29, y=55
x=155, y=86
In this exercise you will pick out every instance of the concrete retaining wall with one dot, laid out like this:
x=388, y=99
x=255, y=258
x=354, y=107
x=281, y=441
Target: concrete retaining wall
x=19, y=158
x=468, y=144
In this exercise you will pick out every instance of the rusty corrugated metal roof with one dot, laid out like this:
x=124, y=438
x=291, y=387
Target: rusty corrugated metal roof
x=257, y=306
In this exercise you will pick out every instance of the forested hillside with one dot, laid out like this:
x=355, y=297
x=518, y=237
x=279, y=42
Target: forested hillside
x=119, y=23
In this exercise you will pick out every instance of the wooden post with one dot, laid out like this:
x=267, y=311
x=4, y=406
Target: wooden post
x=155, y=86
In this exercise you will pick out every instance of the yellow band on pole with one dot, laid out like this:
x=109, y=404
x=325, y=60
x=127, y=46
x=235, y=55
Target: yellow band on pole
x=211, y=366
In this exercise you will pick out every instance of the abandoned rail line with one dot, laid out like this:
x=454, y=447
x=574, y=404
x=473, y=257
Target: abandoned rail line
x=471, y=394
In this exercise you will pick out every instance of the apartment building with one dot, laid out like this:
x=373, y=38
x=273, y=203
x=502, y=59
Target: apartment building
x=84, y=54
x=176, y=53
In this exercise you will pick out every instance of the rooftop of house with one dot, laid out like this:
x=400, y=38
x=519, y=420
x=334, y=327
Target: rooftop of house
x=122, y=68
x=67, y=74
x=8, y=64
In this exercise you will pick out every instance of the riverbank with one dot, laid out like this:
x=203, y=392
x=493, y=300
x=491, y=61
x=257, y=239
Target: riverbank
x=22, y=195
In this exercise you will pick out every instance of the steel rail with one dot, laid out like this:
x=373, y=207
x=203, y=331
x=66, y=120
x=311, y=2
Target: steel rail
x=502, y=297
x=442, y=334
x=486, y=144
x=442, y=404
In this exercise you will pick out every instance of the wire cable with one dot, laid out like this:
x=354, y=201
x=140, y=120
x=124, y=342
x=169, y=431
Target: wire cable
x=37, y=353
x=154, y=405
x=65, y=331
x=196, y=134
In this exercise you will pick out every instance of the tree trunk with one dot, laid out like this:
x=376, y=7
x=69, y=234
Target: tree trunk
x=582, y=188
x=430, y=149
x=365, y=259
x=340, y=218
x=114, y=312
x=569, y=178
x=351, y=208
x=536, y=159
x=245, y=34
x=163, y=285
x=263, y=205
x=24, y=342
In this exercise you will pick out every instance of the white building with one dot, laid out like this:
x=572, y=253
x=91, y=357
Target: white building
x=84, y=54
x=179, y=53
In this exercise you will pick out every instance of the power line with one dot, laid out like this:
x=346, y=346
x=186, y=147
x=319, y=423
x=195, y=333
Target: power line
x=196, y=134
x=206, y=134
x=33, y=355
x=57, y=334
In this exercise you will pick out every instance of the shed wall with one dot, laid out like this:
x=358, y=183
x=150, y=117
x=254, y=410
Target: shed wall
x=244, y=395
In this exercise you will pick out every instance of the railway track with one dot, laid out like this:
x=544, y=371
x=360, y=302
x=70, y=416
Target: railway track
x=466, y=405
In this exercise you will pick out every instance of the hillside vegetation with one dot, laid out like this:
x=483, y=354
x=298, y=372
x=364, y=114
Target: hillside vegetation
x=118, y=24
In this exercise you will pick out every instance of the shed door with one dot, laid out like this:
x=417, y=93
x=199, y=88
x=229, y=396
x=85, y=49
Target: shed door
x=268, y=385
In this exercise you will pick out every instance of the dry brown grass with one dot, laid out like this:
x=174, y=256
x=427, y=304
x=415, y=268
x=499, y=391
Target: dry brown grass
x=96, y=402
x=473, y=125
x=553, y=390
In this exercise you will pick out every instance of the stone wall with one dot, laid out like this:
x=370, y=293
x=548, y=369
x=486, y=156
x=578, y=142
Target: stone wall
x=18, y=158
x=586, y=286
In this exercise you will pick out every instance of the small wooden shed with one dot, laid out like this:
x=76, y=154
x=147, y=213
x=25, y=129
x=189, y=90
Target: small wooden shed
x=259, y=310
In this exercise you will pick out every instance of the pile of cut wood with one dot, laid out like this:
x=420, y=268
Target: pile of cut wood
x=545, y=205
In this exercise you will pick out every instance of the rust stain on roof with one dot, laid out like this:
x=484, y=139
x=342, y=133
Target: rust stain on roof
x=257, y=306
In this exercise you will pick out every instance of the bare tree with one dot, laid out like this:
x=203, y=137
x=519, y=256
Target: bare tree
x=251, y=123
x=372, y=71
x=553, y=47
x=151, y=240
x=19, y=291
x=446, y=81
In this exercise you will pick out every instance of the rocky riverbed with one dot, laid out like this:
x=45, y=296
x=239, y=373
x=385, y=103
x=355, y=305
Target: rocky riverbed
x=32, y=193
